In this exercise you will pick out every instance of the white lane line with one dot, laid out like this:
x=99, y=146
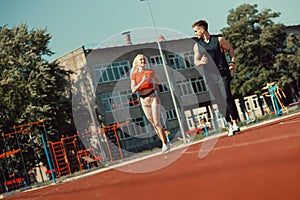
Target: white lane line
x=290, y=122
x=247, y=143
x=258, y=141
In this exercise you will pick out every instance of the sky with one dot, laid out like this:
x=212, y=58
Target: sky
x=89, y=23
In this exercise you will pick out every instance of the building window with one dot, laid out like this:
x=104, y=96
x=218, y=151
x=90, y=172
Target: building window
x=106, y=102
x=247, y=105
x=133, y=129
x=185, y=87
x=192, y=86
x=164, y=87
x=201, y=116
x=156, y=60
x=111, y=72
x=136, y=128
x=255, y=102
x=262, y=101
x=176, y=62
x=171, y=114
x=119, y=100
x=139, y=127
x=198, y=85
x=189, y=59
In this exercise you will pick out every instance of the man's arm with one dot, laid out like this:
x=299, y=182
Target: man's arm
x=198, y=59
x=224, y=44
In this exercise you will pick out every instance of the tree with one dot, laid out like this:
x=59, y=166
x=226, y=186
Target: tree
x=256, y=40
x=288, y=65
x=31, y=88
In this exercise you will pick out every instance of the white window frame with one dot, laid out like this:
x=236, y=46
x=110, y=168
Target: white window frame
x=111, y=71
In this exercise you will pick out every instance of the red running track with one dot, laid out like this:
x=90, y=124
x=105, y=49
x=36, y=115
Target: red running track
x=260, y=163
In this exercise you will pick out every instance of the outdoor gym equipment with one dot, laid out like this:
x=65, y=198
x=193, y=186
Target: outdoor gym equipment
x=111, y=136
x=253, y=120
x=13, y=155
x=276, y=94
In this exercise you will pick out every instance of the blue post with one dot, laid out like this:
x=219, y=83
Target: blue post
x=167, y=132
x=48, y=159
x=205, y=129
x=273, y=96
x=254, y=116
x=247, y=118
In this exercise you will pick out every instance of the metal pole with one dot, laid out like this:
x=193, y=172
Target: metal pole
x=166, y=72
x=46, y=152
x=22, y=158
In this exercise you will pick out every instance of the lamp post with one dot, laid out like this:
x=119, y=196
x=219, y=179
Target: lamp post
x=166, y=72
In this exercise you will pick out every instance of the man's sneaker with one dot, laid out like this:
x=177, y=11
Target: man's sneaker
x=235, y=128
x=230, y=131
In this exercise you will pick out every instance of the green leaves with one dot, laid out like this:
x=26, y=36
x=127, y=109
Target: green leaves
x=287, y=63
x=259, y=44
x=30, y=87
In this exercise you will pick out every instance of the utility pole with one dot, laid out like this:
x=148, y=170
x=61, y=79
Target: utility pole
x=167, y=74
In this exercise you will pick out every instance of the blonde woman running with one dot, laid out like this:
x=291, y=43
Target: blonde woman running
x=142, y=82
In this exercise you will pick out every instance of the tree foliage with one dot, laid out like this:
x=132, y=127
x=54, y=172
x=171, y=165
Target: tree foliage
x=257, y=41
x=288, y=64
x=31, y=88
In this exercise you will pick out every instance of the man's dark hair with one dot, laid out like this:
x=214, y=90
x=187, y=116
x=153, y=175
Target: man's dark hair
x=202, y=23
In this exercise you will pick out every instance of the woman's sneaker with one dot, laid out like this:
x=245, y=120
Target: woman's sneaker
x=165, y=148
